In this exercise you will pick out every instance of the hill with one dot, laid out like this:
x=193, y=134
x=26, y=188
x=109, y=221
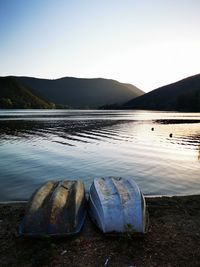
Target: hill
x=183, y=95
x=15, y=95
x=80, y=92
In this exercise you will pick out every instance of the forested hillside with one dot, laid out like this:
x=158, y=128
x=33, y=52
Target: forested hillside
x=82, y=93
x=15, y=95
x=183, y=95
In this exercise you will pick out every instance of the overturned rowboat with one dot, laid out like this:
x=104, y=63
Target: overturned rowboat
x=55, y=209
x=116, y=205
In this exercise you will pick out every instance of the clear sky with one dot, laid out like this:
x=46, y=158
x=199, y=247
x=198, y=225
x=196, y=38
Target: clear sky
x=148, y=43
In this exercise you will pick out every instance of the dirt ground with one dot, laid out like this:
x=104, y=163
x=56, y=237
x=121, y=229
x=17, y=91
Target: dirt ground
x=173, y=239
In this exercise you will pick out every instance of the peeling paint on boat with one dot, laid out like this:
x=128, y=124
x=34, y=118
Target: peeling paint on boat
x=115, y=203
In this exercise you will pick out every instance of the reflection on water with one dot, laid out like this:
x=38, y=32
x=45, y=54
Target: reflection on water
x=199, y=152
x=38, y=145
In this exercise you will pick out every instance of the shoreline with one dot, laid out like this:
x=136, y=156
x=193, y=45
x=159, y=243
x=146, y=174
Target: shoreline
x=145, y=196
x=173, y=239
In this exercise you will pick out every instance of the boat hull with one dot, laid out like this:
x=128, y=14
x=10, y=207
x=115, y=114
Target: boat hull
x=116, y=205
x=55, y=209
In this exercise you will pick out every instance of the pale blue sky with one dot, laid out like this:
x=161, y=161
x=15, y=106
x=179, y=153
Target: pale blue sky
x=148, y=43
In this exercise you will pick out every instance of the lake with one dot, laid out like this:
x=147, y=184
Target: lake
x=41, y=145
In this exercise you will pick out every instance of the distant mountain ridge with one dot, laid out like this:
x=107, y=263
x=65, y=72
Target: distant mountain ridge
x=69, y=92
x=80, y=92
x=183, y=95
x=15, y=95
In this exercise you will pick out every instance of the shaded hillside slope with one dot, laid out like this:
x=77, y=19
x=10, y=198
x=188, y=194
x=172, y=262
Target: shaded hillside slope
x=137, y=91
x=15, y=95
x=183, y=95
x=82, y=93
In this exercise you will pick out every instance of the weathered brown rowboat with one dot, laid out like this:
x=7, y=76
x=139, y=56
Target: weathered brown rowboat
x=55, y=209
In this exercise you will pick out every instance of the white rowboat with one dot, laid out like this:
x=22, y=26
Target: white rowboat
x=117, y=205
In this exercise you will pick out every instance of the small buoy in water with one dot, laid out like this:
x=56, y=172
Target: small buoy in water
x=170, y=135
x=152, y=129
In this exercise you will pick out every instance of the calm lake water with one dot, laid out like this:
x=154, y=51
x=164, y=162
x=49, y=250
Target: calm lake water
x=40, y=145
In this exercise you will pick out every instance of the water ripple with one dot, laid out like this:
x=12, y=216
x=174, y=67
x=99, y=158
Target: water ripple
x=36, y=146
